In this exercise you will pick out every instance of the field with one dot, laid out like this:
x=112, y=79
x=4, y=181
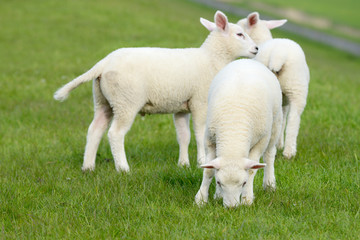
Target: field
x=45, y=195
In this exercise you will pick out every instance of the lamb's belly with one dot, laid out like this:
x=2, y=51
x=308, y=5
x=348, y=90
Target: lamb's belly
x=170, y=107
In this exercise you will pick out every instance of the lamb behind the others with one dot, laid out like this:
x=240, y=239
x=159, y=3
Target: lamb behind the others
x=287, y=60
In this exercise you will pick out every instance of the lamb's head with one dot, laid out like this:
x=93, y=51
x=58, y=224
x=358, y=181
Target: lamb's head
x=228, y=39
x=231, y=177
x=259, y=30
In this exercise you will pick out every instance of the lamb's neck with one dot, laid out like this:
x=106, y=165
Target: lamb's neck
x=262, y=39
x=217, y=51
x=234, y=144
x=229, y=150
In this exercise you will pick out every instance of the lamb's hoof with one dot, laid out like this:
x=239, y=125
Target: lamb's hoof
x=200, y=161
x=247, y=201
x=200, y=199
x=269, y=186
x=124, y=168
x=289, y=152
x=86, y=168
x=184, y=163
x=280, y=145
x=217, y=195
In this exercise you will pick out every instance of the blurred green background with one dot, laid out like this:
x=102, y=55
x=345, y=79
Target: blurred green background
x=340, y=18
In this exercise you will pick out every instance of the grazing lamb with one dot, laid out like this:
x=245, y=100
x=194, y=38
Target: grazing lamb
x=243, y=123
x=157, y=80
x=287, y=60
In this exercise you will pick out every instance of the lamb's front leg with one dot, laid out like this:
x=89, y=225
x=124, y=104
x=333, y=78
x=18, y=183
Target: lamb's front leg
x=182, y=126
x=202, y=195
x=247, y=195
x=269, y=171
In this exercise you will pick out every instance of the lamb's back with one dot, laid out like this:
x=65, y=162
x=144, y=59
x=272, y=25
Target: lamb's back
x=242, y=101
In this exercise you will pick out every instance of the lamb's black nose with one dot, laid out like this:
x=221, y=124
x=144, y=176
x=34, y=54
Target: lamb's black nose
x=256, y=48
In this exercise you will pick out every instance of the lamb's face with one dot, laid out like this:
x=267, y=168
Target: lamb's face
x=240, y=43
x=258, y=31
x=231, y=177
x=230, y=181
x=230, y=38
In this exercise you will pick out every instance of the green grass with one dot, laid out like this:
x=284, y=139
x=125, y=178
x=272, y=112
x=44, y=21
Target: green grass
x=44, y=194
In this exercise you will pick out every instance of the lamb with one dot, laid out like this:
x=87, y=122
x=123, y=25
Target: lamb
x=158, y=80
x=287, y=60
x=243, y=123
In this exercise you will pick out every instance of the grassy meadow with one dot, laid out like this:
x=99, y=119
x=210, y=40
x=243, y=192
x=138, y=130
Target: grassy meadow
x=45, y=195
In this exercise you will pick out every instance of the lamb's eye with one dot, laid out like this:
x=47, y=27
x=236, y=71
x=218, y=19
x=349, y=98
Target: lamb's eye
x=244, y=184
x=241, y=35
x=218, y=183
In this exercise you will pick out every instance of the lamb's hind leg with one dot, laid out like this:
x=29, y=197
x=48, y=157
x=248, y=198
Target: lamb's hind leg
x=199, y=122
x=182, y=126
x=118, y=129
x=297, y=106
x=126, y=99
x=281, y=142
x=102, y=117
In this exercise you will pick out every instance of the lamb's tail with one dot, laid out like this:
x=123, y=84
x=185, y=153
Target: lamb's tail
x=62, y=93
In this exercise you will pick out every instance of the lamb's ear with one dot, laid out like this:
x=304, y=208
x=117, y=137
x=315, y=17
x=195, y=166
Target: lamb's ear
x=250, y=164
x=214, y=164
x=209, y=25
x=221, y=21
x=275, y=23
x=253, y=19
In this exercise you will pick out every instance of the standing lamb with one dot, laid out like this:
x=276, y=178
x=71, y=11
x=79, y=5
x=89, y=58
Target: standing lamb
x=243, y=123
x=157, y=80
x=287, y=60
